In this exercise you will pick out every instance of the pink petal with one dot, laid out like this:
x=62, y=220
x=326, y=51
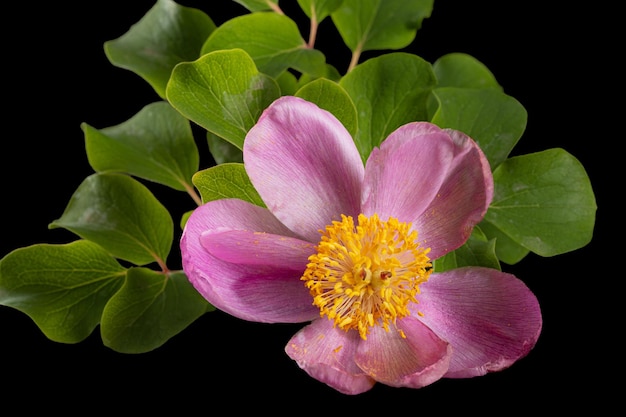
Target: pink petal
x=403, y=176
x=461, y=201
x=258, y=248
x=234, y=214
x=305, y=165
x=262, y=293
x=327, y=354
x=490, y=318
x=415, y=361
x=268, y=293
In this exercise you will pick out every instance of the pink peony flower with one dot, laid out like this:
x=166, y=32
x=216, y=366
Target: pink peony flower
x=348, y=248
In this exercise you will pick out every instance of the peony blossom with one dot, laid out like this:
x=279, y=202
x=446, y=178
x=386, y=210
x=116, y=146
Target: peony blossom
x=347, y=248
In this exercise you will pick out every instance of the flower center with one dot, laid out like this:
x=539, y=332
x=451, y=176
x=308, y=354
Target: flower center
x=366, y=275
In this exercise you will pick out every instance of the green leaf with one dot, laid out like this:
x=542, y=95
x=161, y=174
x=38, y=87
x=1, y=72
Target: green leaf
x=150, y=309
x=222, y=92
x=318, y=10
x=543, y=201
x=388, y=91
x=477, y=251
x=288, y=83
x=463, y=70
x=184, y=218
x=121, y=215
x=166, y=35
x=223, y=151
x=507, y=250
x=493, y=119
x=368, y=25
x=156, y=144
x=258, y=5
x=63, y=288
x=272, y=40
x=226, y=181
x=330, y=73
x=330, y=96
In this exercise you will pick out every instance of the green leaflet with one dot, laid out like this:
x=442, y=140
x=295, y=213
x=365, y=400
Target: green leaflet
x=223, y=151
x=223, y=92
x=272, y=40
x=477, y=251
x=257, y=5
x=228, y=180
x=388, y=91
x=63, y=288
x=318, y=10
x=149, y=309
x=166, y=35
x=330, y=96
x=156, y=144
x=69, y=289
x=368, y=25
x=288, y=83
x=463, y=70
x=544, y=202
x=493, y=119
x=507, y=249
x=121, y=215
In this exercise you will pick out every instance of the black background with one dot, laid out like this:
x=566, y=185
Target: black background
x=56, y=76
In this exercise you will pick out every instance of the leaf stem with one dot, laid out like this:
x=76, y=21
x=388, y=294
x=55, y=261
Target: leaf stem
x=356, y=55
x=194, y=195
x=274, y=7
x=313, y=30
x=163, y=266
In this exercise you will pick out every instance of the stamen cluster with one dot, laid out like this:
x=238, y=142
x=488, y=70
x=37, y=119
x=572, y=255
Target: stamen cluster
x=367, y=274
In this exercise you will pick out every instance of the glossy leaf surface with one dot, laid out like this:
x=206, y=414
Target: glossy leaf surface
x=149, y=309
x=222, y=92
x=493, y=119
x=156, y=144
x=223, y=151
x=543, y=201
x=477, y=251
x=258, y=5
x=168, y=34
x=318, y=10
x=463, y=70
x=63, y=288
x=368, y=25
x=226, y=181
x=121, y=215
x=330, y=96
x=388, y=91
x=507, y=249
x=272, y=40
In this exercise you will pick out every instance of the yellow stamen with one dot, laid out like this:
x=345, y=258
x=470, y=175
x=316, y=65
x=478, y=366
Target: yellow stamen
x=366, y=275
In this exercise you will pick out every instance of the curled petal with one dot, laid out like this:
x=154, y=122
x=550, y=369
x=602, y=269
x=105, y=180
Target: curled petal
x=327, y=354
x=463, y=141
x=233, y=214
x=461, y=201
x=490, y=318
x=258, y=248
x=415, y=361
x=266, y=293
x=305, y=165
x=404, y=175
